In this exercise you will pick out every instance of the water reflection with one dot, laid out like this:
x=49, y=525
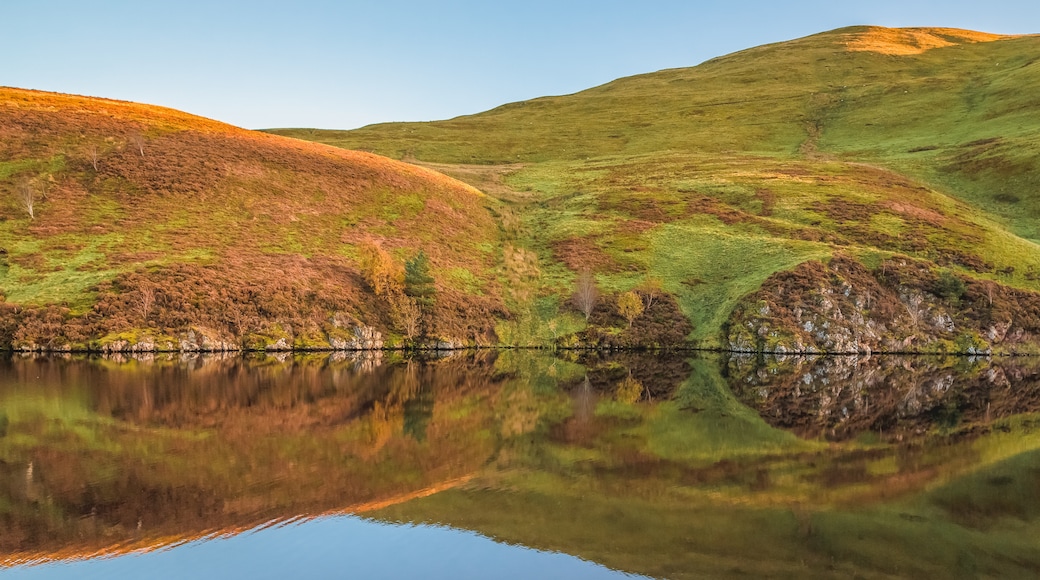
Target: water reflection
x=653, y=464
x=893, y=397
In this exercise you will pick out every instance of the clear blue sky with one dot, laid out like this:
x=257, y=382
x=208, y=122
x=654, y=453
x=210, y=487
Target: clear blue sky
x=314, y=63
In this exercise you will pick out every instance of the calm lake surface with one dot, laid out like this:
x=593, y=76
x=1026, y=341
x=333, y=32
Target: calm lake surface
x=519, y=465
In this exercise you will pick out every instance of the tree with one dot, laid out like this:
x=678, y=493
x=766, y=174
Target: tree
x=651, y=288
x=419, y=291
x=26, y=193
x=630, y=306
x=146, y=300
x=586, y=293
x=136, y=140
x=418, y=283
x=93, y=154
x=950, y=286
x=913, y=309
x=405, y=314
x=379, y=269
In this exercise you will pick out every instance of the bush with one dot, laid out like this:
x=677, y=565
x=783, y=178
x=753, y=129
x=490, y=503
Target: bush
x=950, y=286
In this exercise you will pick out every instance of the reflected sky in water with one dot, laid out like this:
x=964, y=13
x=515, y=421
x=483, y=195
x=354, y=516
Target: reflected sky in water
x=332, y=547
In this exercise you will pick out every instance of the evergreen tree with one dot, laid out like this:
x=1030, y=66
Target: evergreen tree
x=418, y=283
x=419, y=288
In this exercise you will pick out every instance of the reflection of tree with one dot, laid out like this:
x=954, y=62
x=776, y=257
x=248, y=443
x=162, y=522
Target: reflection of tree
x=584, y=402
x=629, y=390
x=387, y=416
x=417, y=414
x=658, y=375
x=518, y=411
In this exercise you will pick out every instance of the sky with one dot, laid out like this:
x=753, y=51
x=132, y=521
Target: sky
x=345, y=64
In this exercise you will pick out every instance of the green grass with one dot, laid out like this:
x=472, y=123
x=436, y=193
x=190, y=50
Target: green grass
x=711, y=269
x=903, y=137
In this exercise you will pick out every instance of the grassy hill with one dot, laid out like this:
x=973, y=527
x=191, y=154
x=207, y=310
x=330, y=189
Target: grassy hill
x=151, y=225
x=897, y=168
x=893, y=147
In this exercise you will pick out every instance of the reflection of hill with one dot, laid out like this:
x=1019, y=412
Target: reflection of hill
x=96, y=456
x=652, y=465
x=698, y=485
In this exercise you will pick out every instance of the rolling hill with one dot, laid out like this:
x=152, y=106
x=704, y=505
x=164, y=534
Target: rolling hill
x=860, y=190
x=910, y=155
x=157, y=229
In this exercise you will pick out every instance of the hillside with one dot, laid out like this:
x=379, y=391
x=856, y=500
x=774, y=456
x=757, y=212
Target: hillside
x=156, y=228
x=911, y=155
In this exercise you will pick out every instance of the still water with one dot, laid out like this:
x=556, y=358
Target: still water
x=519, y=464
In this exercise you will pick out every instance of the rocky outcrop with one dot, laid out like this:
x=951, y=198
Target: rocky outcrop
x=202, y=340
x=902, y=306
x=363, y=338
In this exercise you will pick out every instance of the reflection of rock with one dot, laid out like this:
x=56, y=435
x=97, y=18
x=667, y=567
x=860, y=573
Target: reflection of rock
x=842, y=396
x=365, y=361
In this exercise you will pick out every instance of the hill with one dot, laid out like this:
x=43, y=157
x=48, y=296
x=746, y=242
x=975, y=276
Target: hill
x=910, y=155
x=131, y=226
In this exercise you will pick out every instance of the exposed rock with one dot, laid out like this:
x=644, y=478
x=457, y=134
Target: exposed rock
x=843, y=308
x=199, y=340
x=364, y=338
x=280, y=345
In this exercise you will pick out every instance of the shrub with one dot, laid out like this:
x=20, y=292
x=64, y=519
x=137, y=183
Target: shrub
x=949, y=286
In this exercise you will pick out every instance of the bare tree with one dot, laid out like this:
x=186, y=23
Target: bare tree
x=44, y=185
x=93, y=154
x=651, y=288
x=586, y=293
x=913, y=309
x=26, y=192
x=136, y=140
x=147, y=300
x=405, y=313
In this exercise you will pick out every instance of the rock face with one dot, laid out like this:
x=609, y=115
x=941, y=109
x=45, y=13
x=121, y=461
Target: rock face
x=196, y=340
x=903, y=306
x=201, y=340
x=146, y=343
x=364, y=338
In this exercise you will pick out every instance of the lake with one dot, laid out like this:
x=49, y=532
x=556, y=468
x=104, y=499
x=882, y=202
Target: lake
x=519, y=464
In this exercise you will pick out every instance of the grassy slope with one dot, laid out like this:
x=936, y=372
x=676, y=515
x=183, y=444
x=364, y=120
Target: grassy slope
x=712, y=178
x=255, y=209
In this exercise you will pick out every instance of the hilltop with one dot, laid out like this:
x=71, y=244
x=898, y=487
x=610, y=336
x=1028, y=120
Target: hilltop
x=860, y=189
x=152, y=228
